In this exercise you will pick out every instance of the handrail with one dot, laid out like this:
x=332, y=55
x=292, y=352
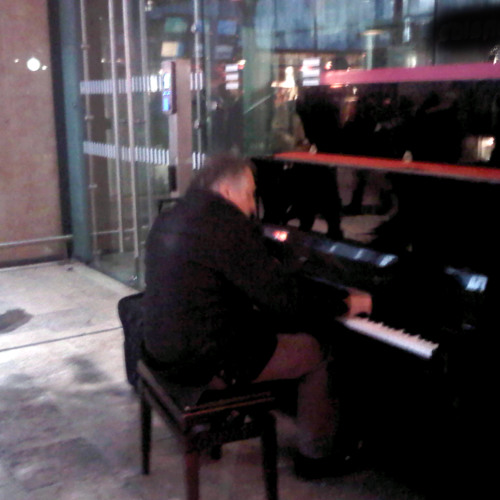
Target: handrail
x=34, y=241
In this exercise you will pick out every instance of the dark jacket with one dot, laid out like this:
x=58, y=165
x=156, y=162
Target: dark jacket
x=207, y=270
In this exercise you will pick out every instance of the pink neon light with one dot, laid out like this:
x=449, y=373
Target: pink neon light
x=442, y=72
x=472, y=173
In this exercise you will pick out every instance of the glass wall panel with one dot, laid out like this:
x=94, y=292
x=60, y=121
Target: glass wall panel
x=250, y=60
x=96, y=90
x=107, y=144
x=256, y=55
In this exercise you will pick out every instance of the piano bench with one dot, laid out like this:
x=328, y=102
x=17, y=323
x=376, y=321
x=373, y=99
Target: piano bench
x=206, y=419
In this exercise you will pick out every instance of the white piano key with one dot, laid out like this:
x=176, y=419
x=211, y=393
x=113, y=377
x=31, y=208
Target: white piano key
x=397, y=338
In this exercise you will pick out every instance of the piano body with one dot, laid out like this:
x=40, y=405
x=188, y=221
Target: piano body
x=416, y=376
x=420, y=373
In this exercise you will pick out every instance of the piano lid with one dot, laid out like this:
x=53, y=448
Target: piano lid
x=338, y=262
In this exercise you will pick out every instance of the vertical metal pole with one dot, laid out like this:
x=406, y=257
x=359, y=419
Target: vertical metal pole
x=116, y=135
x=88, y=122
x=198, y=73
x=145, y=101
x=434, y=38
x=207, y=70
x=72, y=74
x=131, y=136
x=397, y=11
x=315, y=28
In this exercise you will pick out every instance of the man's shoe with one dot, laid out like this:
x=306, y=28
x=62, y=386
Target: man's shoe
x=334, y=465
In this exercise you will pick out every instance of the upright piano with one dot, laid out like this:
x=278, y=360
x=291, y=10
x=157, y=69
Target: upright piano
x=418, y=377
x=420, y=373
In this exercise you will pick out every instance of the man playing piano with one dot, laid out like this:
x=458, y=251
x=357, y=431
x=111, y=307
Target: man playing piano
x=220, y=310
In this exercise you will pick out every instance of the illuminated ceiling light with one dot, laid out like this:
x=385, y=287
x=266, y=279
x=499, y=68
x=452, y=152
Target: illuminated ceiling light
x=411, y=61
x=33, y=64
x=372, y=32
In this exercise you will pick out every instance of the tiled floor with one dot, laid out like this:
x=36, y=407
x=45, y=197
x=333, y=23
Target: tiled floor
x=69, y=420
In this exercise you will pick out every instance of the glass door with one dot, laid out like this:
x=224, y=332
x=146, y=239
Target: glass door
x=127, y=131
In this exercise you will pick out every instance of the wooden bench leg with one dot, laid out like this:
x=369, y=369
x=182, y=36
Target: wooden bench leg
x=146, y=418
x=269, y=457
x=192, y=465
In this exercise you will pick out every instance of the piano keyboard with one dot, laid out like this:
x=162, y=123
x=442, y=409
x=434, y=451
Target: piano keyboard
x=397, y=338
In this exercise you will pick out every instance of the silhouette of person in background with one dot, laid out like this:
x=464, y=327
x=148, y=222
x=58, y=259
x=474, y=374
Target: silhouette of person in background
x=313, y=190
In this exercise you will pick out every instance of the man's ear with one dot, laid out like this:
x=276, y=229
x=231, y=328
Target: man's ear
x=225, y=189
